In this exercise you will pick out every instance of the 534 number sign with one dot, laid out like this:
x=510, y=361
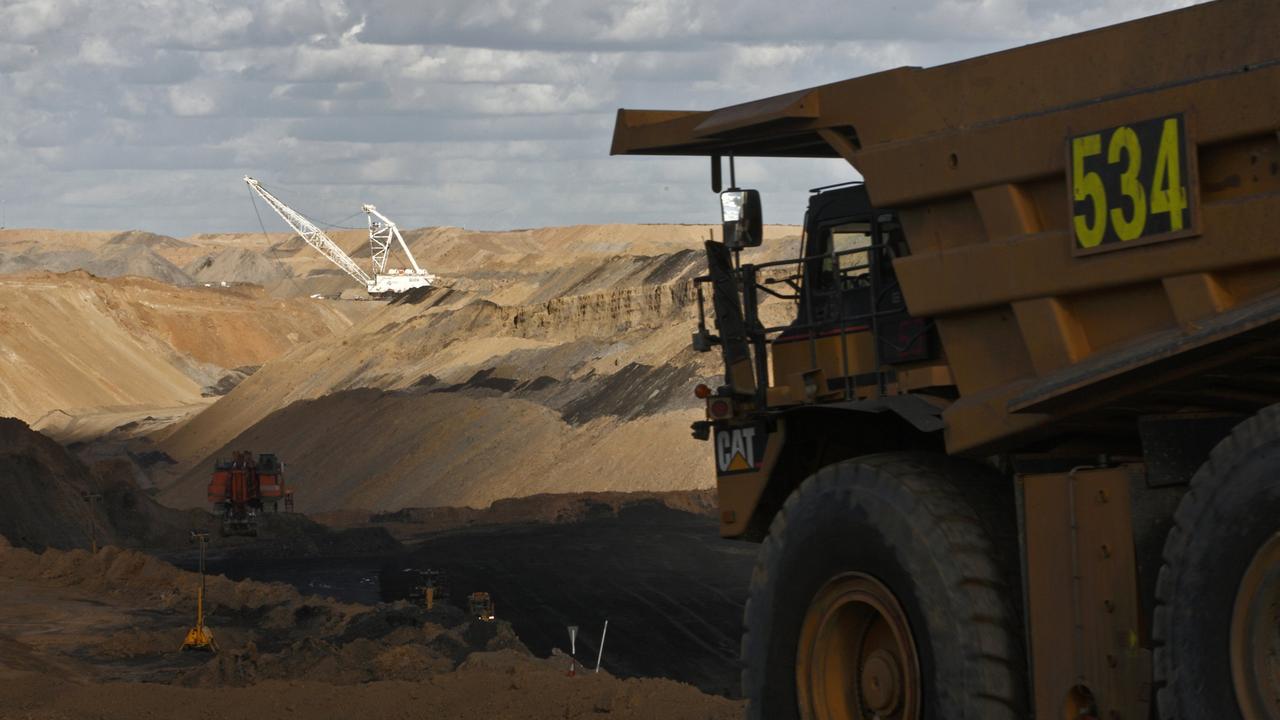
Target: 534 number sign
x=1131, y=184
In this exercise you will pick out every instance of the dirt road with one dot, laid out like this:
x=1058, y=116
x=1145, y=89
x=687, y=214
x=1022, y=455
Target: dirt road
x=490, y=685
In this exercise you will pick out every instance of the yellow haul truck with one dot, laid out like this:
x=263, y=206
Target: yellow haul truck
x=1016, y=449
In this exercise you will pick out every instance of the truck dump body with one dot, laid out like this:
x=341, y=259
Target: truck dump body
x=988, y=163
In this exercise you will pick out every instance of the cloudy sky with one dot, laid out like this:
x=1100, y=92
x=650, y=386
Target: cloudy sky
x=488, y=114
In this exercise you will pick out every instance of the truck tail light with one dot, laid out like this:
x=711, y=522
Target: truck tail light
x=719, y=409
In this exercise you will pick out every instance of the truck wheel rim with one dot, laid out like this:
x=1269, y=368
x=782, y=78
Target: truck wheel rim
x=1255, y=635
x=856, y=658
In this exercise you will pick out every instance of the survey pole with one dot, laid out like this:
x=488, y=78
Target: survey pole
x=600, y=655
x=93, y=520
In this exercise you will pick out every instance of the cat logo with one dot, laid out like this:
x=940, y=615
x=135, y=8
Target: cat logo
x=739, y=450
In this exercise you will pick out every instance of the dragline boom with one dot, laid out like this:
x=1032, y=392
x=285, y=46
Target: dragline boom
x=314, y=236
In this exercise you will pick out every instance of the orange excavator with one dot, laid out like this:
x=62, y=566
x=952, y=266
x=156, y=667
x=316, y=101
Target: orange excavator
x=241, y=489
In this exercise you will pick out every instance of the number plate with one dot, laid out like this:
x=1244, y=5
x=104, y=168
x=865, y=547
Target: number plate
x=1132, y=185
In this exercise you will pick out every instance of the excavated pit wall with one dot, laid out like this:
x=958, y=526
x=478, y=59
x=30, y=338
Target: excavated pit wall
x=446, y=398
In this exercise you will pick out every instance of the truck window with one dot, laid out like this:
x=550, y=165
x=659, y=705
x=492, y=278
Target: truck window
x=848, y=239
x=828, y=270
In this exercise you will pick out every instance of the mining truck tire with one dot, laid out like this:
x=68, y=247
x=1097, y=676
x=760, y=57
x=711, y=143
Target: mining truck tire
x=883, y=590
x=1217, y=618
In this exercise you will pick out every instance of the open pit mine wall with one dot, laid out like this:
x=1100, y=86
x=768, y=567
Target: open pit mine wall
x=606, y=314
x=507, y=421
x=602, y=313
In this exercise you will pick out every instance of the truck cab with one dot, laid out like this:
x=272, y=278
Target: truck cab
x=850, y=314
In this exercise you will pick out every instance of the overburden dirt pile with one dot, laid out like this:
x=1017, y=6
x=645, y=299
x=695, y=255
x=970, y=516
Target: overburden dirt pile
x=43, y=504
x=281, y=653
x=238, y=265
x=543, y=508
x=264, y=630
x=104, y=254
x=74, y=346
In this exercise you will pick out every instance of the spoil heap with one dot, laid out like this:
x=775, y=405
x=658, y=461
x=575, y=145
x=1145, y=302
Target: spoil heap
x=238, y=265
x=43, y=504
x=48, y=498
x=136, y=253
x=75, y=344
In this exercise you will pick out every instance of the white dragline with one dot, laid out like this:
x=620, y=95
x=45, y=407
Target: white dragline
x=381, y=233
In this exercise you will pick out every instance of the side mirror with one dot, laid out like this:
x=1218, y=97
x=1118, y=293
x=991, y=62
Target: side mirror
x=703, y=340
x=740, y=212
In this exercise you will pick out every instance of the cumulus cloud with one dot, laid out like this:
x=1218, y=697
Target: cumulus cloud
x=490, y=113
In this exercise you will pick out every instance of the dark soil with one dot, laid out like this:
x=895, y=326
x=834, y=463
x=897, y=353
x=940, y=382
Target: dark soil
x=634, y=391
x=671, y=589
x=49, y=498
